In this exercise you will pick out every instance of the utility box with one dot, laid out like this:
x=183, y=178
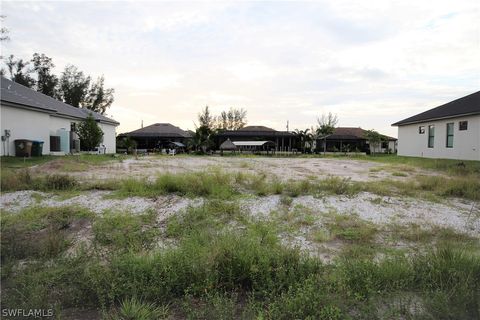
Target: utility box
x=23, y=148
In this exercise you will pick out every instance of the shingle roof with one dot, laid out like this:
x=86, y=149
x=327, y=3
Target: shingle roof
x=18, y=95
x=165, y=130
x=467, y=105
x=351, y=133
x=256, y=128
x=254, y=131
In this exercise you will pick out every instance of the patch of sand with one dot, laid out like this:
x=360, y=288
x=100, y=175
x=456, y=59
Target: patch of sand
x=282, y=168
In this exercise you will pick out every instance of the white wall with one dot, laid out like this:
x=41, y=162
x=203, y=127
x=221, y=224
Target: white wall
x=466, y=144
x=34, y=125
x=24, y=124
x=109, y=137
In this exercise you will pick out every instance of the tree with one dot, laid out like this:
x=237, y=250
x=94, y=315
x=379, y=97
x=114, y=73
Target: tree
x=98, y=98
x=205, y=119
x=127, y=143
x=19, y=72
x=232, y=119
x=3, y=30
x=46, y=80
x=326, y=126
x=73, y=86
x=203, y=139
x=90, y=133
x=304, y=136
x=374, y=139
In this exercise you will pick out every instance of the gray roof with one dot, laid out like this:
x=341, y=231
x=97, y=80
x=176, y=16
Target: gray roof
x=468, y=105
x=256, y=128
x=165, y=130
x=18, y=95
x=251, y=143
x=228, y=145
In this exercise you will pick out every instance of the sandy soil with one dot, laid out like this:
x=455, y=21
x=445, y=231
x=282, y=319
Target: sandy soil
x=381, y=211
x=282, y=168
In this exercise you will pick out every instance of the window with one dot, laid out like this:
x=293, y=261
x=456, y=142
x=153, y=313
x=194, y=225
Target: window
x=421, y=129
x=450, y=135
x=463, y=125
x=431, y=135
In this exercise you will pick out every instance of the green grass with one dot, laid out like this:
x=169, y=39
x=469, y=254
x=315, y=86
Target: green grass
x=213, y=184
x=350, y=227
x=452, y=167
x=222, y=264
x=209, y=270
x=37, y=231
x=125, y=231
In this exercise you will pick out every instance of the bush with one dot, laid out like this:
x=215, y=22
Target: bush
x=37, y=232
x=134, y=309
x=59, y=182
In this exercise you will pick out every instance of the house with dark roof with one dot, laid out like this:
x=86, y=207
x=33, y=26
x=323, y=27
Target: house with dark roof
x=28, y=114
x=159, y=136
x=354, y=139
x=282, y=140
x=449, y=131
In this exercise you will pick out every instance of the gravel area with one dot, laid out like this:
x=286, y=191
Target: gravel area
x=282, y=168
x=455, y=214
x=96, y=201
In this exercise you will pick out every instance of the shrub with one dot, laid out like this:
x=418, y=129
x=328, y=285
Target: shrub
x=59, y=182
x=134, y=309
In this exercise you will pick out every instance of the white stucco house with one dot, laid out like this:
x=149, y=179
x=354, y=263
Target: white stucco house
x=450, y=131
x=28, y=114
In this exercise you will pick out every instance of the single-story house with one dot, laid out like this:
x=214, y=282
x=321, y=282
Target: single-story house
x=158, y=136
x=28, y=114
x=354, y=139
x=282, y=140
x=449, y=131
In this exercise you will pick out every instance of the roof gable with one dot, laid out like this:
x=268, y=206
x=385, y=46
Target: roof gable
x=463, y=106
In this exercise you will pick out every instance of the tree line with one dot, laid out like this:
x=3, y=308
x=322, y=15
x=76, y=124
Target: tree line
x=72, y=86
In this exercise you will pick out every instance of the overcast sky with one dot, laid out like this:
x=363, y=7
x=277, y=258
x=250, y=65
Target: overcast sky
x=370, y=62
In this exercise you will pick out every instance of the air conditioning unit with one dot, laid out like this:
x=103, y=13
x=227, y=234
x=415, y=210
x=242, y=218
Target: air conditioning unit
x=55, y=143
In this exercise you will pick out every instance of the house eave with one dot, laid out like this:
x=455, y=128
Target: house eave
x=24, y=106
x=401, y=123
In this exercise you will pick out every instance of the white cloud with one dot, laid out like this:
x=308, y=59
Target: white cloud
x=372, y=62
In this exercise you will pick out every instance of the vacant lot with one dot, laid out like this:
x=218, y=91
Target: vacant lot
x=241, y=237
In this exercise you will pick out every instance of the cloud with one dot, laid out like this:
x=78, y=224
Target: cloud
x=372, y=62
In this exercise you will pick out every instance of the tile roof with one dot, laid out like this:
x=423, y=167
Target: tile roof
x=19, y=95
x=467, y=105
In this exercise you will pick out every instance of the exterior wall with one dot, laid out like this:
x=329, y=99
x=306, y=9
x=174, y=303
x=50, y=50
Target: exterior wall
x=109, y=137
x=466, y=144
x=23, y=124
x=34, y=125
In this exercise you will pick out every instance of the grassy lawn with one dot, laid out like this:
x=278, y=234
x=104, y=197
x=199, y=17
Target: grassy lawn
x=221, y=260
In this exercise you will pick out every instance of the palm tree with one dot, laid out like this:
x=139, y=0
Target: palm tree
x=304, y=136
x=326, y=126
